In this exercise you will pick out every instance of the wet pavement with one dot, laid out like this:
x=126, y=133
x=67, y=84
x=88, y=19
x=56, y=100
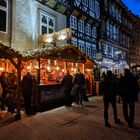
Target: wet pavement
x=70, y=123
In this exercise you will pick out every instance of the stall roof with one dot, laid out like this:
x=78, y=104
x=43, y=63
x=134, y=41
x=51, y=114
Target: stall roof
x=6, y=51
x=11, y=54
x=66, y=52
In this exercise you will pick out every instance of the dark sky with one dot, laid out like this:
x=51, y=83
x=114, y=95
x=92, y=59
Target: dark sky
x=133, y=5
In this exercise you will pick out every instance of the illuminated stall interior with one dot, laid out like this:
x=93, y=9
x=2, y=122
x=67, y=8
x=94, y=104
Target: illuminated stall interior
x=53, y=63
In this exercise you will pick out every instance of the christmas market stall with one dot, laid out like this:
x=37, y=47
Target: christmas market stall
x=48, y=65
x=10, y=59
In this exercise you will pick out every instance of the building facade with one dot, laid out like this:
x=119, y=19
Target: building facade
x=24, y=21
x=135, y=50
x=117, y=35
x=102, y=29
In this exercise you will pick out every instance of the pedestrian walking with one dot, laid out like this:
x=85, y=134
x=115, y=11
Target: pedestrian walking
x=109, y=96
x=129, y=89
x=67, y=87
x=118, y=81
x=79, y=81
x=27, y=88
x=84, y=88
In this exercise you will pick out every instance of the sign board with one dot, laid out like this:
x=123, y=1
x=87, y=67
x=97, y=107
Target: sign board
x=64, y=34
x=98, y=56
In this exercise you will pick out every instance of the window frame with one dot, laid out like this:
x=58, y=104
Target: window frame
x=6, y=10
x=47, y=25
x=73, y=22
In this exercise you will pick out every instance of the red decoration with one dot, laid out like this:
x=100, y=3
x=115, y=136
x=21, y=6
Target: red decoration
x=69, y=51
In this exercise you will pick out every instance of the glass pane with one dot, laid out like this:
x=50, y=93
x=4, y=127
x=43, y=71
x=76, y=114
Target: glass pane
x=3, y=21
x=44, y=30
x=51, y=30
x=51, y=22
x=3, y=3
x=44, y=20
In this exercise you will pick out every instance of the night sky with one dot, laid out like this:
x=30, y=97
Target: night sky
x=133, y=5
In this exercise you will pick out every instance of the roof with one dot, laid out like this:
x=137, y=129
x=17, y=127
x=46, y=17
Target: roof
x=8, y=52
x=56, y=52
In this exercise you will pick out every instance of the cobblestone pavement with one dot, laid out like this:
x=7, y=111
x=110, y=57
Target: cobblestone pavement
x=72, y=124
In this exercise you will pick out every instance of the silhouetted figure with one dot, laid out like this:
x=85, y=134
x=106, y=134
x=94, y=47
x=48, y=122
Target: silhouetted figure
x=67, y=85
x=119, y=78
x=84, y=88
x=129, y=89
x=109, y=96
x=11, y=95
x=79, y=81
x=27, y=88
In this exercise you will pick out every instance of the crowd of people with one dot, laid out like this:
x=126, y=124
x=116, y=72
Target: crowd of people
x=74, y=88
x=125, y=86
x=8, y=82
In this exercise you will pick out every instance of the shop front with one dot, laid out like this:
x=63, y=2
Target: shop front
x=48, y=66
x=10, y=61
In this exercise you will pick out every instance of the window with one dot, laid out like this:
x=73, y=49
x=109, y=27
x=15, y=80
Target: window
x=104, y=48
x=107, y=28
x=73, y=22
x=81, y=26
x=3, y=15
x=88, y=49
x=85, y=2
x=106, y=5
x=97, y=9
x=81, y=45
x=94, y=32
x=93, y=51
x=88, y=29
x=91, y=5
x=47, y=24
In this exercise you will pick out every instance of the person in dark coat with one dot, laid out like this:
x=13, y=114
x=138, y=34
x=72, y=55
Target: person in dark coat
x=11, y=95
x=85, y=86
x=79, y=81
x=129, y=89
x=3, y=81
x=67, y=87
x=27, y=87
x=109, y=96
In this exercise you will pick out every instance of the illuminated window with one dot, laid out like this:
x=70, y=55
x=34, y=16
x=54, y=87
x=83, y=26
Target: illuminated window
x=47, y=24
x=3, y=15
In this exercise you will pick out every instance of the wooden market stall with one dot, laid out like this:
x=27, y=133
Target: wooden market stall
x=14, y=57
x=89, y=73
x=49, y=65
